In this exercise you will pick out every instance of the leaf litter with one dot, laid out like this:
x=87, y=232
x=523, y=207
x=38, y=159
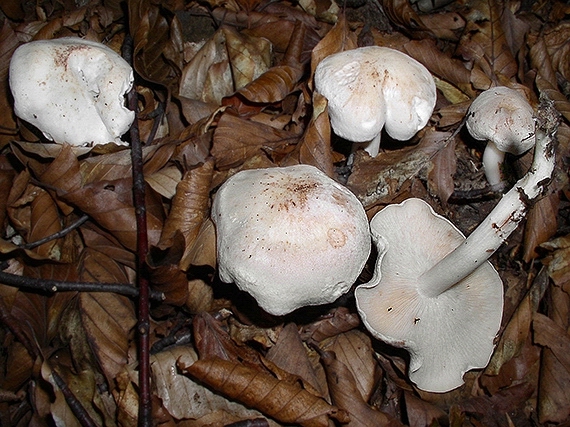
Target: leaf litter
x=227, y=86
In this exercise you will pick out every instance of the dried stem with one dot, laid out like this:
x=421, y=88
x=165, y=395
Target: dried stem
x=74, y=404
x=145, y=404
x=57, y=235
x=49, y=285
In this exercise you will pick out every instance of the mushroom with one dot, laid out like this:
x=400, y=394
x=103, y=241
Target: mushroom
x=375, y=87
x=504, y=118
x=289, y=236
x=72, y=90
x=433, y=292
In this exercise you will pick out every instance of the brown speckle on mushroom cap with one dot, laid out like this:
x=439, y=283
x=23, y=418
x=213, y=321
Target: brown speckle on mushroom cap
x=289, y=236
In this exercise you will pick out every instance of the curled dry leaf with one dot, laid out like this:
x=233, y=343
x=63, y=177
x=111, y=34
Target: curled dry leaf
x=273, y=85
x=541, y=224
x=184, y=398
x=190, y=206
x=345, y=394
x=45, y=221
x=336, y=322
x=442, y=171
x=314, y=148
x=283, y=401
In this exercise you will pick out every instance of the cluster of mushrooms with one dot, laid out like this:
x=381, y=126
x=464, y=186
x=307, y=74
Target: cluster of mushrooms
x=292, y=236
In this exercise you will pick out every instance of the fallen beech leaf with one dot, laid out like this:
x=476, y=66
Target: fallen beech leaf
x=9, y=44
x=286, y=402
x=250, y=57
x=422, y=412
x=44, y=222
x=108, y=320
x=289, y=354
x=336, y=322
x=440, y=175
x=208, y=76
x=273, y=85
x=186, y=399
x=561, y=103
x=314, y=148
x=237, y=139
x=200, y=296
x=345, y=395
x=158, y=47
x=164, y=181
x=555, y=338
x=338, y=39
x=190, y=206
x=382, y=178
x=541, y=224
x=354, y=350
x=484, y=41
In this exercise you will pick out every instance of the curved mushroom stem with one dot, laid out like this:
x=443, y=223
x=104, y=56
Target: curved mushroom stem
x=492, y=162
x=373, y=147
x=498, y=225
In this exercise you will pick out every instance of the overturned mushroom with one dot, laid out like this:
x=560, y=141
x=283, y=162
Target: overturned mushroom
x=504, y=118
x=375, y=87
x=433, y=291
x=72, y=90
x=289, y=236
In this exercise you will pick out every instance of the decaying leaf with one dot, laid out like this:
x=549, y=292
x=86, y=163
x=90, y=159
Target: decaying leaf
x=281, y=400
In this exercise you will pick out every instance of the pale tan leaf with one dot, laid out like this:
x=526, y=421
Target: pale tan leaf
x=185, y=398
x=440, y=175
x=250, y=57
x=108, y=320
x=273, y=85
x=164, y=181
x=354, y=350
x=283, y=401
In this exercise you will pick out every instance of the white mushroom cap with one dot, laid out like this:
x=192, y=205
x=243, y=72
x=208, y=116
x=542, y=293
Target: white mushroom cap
x=445, y=335
x=289, y=236
x=72, y=90
x=374, y=87
x=504, y=118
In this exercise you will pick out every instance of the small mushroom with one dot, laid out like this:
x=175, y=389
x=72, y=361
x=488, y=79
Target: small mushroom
x=289, y=236
x=72, y=90
x=504, y=118
x=433, y=292
x=375, y=87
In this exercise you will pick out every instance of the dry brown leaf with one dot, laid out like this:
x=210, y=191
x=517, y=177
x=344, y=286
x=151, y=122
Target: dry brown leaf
x=444, y=25
x=484, y=41
x=190, y=206
x=557, y=42
x=541, y=224
x=553, y=401
x=345, y=395
x=561, y=103
x=213, y=341
x=290, y=354
x=336, y=322
x=203, y=251
x=541, y=61
x=108, y=320
x=440, y=175
x=45, y=221
x=273, y=85
x=382, y=178
x=444, y=66
x=401, y=13
x=184, y=398
x=250, y=57
x=237, y=139
x=338, y=39
x=423, y=413
x=314, y=147
x=157, y=43
x=9, y=43
x=354, y=350
x=283, y=401
x=164, y=181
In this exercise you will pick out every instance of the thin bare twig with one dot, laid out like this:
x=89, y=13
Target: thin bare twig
x=57, y=235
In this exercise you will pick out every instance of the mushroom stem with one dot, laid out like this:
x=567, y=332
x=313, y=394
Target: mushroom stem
x=498, y=225
x=492, y=161
x=373, y=147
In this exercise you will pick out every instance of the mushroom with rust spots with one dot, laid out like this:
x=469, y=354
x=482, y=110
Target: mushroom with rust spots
x=289, y=236
x=375, y=87
x=72, y=90
x=433, y=292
